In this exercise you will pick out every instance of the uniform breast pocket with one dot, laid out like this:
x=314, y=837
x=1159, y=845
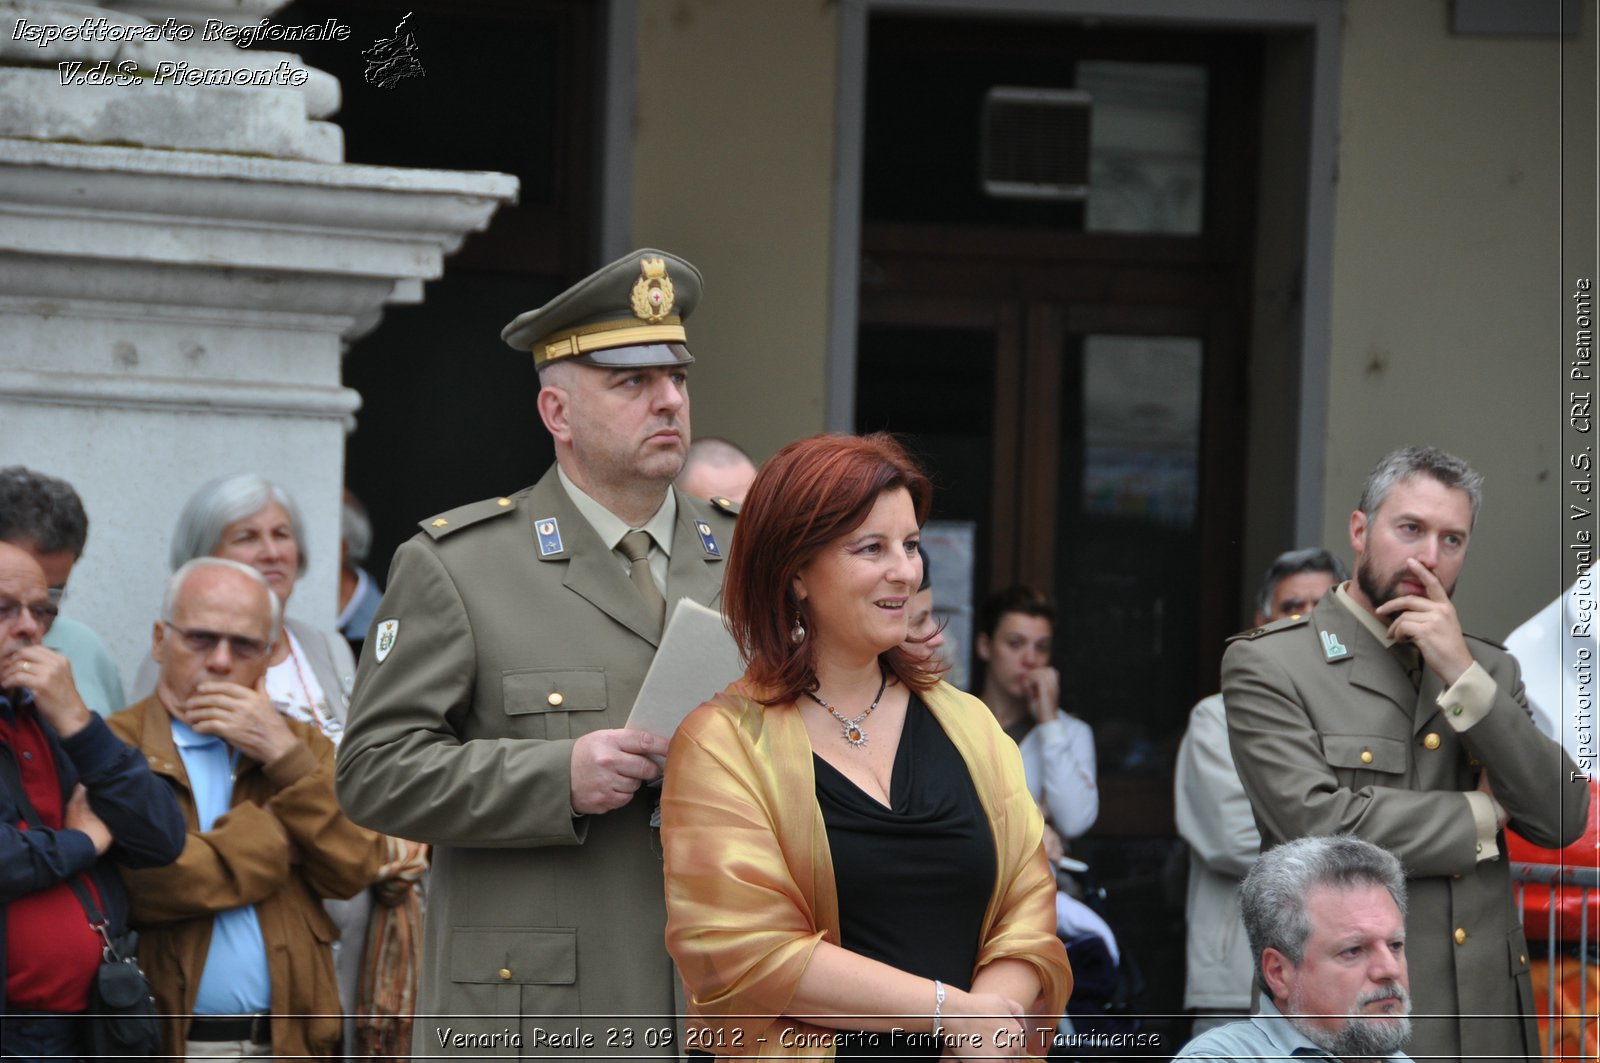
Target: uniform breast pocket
x=553, y=702
x=1366, y=760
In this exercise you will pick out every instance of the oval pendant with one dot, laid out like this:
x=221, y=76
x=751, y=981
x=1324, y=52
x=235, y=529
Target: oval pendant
x=854, y=735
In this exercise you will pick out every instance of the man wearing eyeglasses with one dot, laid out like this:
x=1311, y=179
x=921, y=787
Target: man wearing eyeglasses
x=72, y=799
x=236, y=942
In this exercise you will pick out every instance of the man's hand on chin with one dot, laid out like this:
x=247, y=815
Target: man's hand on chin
x=241, y=716
x=49, y=676
x=1429, y=621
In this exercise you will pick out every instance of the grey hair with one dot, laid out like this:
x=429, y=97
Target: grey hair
x=555, y=374
x=169, y=601
x=1407, y=462
x=1272, y=897
x=42, y=509
x=1292, y=563
x=221, y=502
x=355, y=527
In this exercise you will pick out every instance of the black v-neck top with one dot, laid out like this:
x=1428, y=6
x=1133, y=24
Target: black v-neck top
x=914, y=878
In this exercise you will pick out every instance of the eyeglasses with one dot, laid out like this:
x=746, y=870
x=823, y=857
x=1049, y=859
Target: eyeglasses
x=44, y=614
x=203, y=642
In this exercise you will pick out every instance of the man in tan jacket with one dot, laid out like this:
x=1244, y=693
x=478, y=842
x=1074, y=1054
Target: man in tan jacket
x=234, y=938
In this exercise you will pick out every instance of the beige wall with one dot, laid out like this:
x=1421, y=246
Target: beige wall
x=1449, y=307
x=733, y=169
x=1448, y=293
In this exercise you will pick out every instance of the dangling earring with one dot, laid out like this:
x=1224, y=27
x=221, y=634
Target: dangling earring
x=797, y=634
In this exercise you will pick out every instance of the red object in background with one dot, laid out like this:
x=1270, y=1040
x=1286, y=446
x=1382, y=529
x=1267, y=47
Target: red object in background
x=1578, y=1030
x=1583, y=853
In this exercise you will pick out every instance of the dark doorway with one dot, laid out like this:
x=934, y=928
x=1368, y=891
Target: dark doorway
x=448, y=411
x=1072, y=368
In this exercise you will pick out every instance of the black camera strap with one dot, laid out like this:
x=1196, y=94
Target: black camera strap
x=30, y=816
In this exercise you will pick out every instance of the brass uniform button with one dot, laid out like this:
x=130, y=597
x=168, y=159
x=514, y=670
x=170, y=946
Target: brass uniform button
x=1294, y=616
x=1461, y=936
x=1522, y=959
x=1431, y=741
x=441, y=522
x=1366, y=756
x=505, y=972
x=555, y=697
x=502, y=502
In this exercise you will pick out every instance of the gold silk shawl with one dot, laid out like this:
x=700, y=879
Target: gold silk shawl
x=749, y=875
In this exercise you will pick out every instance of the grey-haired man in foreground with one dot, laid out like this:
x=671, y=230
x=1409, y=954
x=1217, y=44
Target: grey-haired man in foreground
x=1326, y=922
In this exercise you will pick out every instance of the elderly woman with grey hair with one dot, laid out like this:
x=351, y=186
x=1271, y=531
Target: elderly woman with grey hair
x=250, y=519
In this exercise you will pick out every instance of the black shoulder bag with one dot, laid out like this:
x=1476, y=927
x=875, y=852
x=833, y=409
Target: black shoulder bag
x=123, y=1023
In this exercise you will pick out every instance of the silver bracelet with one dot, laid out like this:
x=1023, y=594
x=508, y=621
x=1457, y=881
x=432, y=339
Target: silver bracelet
x=938, y=1008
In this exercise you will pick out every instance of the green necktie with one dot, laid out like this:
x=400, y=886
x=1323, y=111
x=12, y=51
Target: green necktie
x=635, y=547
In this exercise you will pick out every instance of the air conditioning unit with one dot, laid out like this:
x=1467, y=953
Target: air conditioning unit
x=1035, y=143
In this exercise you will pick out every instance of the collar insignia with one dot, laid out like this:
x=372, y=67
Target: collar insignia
x=707, y=540
x=549, y=536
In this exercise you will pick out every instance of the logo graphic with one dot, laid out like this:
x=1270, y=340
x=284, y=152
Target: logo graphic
x=1331, y=646
x=652, y=292
x=391, y=60
x=388, y=631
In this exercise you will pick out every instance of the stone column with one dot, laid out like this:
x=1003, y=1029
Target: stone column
x=181, y=267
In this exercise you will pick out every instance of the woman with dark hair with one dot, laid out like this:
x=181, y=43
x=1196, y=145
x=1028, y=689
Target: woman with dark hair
x=853, y=860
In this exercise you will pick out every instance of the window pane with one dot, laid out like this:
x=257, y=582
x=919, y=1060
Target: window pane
x=1146, y=146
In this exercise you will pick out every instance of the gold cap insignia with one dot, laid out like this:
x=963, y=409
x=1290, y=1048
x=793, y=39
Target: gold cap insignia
x=652, y=292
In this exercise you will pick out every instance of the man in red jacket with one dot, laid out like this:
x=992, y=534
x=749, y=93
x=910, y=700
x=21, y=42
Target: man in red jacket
x=72, y=798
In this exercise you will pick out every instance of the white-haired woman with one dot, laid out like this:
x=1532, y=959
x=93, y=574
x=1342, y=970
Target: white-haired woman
x=250, y=519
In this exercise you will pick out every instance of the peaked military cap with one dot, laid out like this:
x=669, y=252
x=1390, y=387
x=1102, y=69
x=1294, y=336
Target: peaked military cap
x=625, y=315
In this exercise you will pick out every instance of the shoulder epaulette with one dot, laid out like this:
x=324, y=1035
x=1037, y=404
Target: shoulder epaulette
x=727, y=505
x=453, y=520
x=1267, y=629
x=1488, y=642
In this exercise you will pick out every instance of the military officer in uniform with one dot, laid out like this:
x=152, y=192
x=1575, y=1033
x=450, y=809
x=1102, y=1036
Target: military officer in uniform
x=1376, y=716
x=489, y=706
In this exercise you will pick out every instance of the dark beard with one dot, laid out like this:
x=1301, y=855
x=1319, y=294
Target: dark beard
x=1368, y=582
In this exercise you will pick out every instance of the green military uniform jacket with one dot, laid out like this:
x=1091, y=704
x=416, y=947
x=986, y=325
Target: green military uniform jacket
x=1330, y=737
x=514, y=638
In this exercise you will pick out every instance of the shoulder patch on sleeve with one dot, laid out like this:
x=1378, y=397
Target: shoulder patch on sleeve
x=1269, y=629
x=727, y=505
x=453, y=520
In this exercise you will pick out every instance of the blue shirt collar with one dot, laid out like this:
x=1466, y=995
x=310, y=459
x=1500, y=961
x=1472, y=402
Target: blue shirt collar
x=186, y=737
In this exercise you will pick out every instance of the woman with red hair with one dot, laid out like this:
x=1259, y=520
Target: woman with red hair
x=853, y=860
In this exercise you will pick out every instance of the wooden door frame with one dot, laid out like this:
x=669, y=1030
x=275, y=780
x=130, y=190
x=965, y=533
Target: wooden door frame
x=1029, y=335
x=1320, y=20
